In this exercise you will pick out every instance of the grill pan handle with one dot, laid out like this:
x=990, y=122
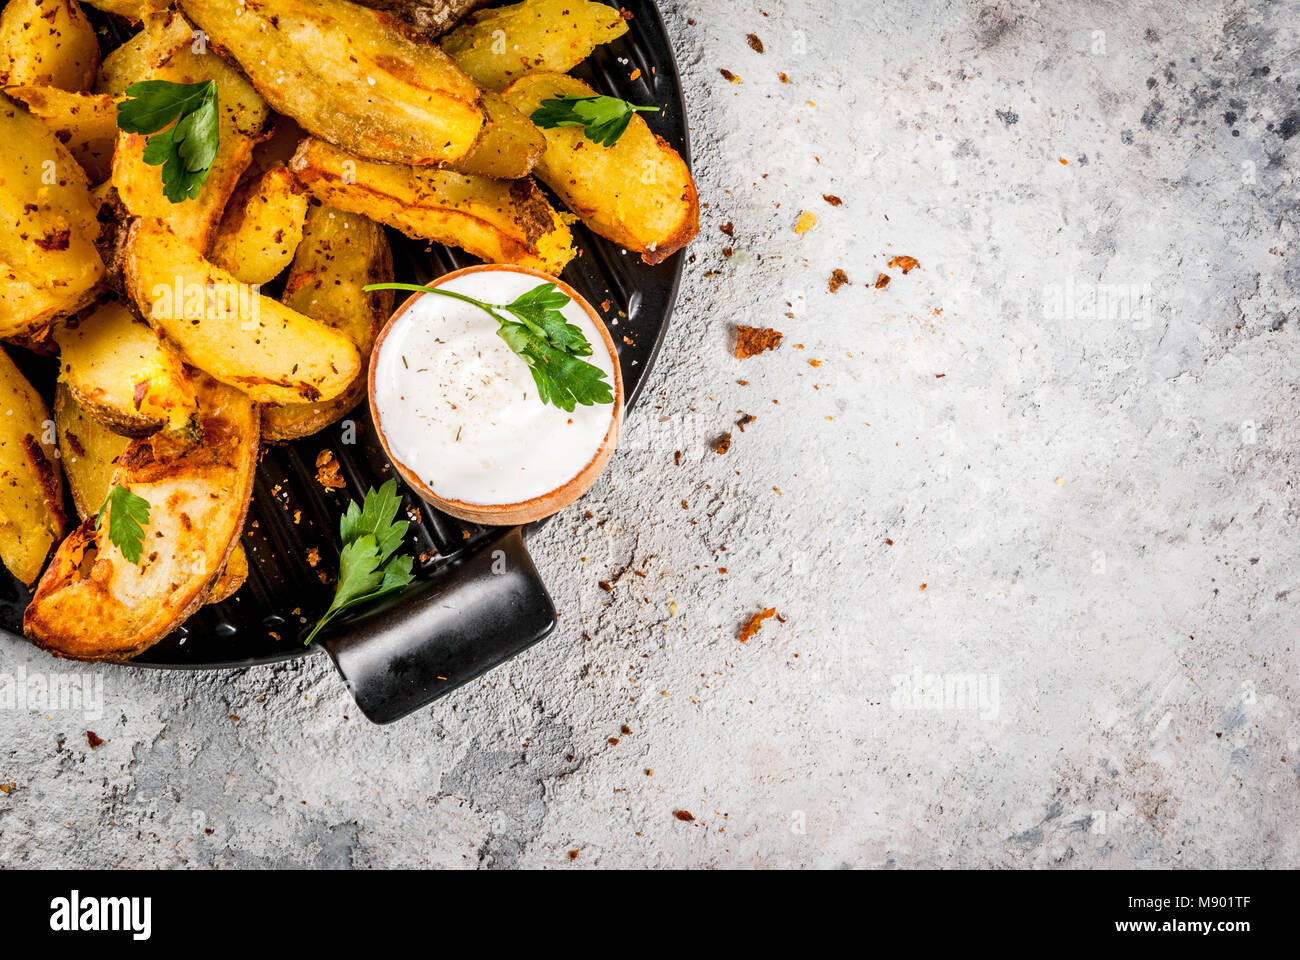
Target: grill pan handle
x=474, y=613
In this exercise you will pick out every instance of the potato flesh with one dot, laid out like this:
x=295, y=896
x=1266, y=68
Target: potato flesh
x=48, y=262
x=509, y=147
x=262, y=228
x=124, y=374
x=125, y=65
x=500, y=45
x=86, y=123
x=242, y=117
x=47, y=43
x=92, y=603
x=498, y=221
x=350, y=75
x=31, y=486
x=228, y=329
x=340, y=253
x=89, y=451
x=638, y=193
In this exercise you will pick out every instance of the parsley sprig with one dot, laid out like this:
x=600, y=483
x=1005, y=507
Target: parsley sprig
x=551, y=346
x=369, y=565
x=604, y=118
x=128, y=515
x=186, y=150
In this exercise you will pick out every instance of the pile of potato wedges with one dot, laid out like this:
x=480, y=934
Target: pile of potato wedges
x=336, y=121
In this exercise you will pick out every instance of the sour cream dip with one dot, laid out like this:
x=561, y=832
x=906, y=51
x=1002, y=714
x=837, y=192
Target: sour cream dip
x=458, y=411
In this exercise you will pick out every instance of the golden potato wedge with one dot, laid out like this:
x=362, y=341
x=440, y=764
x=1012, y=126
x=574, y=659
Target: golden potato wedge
x=125, y=65
x=638, y=193
x=350, y=75
x=262, y=227
x=232, y=576
x=499, y=221
x=49, y=266
x=243, y=115
x=509, y=147
x=500, y=45
x=47, y=43
x=31, y=485
x=94, y=604
x=123, y=374
x=89, y=450
x=85, y=123
x=227, y=328
x=340, y=253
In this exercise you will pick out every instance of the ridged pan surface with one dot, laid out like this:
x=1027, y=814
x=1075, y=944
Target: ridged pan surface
x=292, y=531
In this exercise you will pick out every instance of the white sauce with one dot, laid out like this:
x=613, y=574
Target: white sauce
x=460, y=409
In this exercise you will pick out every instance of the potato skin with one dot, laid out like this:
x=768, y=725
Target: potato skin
x=499, y=221
x=92, y=604
x=355, y=76
x=638, y=193
x=340, y=253
x=47, y=42
x=31, y=483
x=262, y=227
x=49, y=266
x=228, y=329
x=554, y=35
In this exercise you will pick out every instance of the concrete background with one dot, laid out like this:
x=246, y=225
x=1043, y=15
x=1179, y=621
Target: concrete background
x=1093, y=519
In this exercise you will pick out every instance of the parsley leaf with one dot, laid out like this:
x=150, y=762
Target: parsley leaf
x=188, y=148
x=368, y=565
x=544, y=340
x=128, y=515
x=604, y=119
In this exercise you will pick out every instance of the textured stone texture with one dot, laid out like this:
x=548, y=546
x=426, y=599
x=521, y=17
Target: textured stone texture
x=1092, y=520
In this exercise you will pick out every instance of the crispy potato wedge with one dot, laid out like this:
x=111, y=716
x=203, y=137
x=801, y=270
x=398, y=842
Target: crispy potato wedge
x=638, y=193
x=350, y=75
x=243, y=115
x=93, y=604
x=49, y=266
x=47, y=43
x=509, y=147
x=85, y=123
x=262, y=227
x=31, y=485
x=124, y=374
x=89, y=450
x=340, y=253
x=90, y=453
x=125, y=65
x=227, y=328
x=499, y=221
x=500, y=45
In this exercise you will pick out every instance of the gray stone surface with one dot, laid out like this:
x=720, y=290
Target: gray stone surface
x=1093, y=518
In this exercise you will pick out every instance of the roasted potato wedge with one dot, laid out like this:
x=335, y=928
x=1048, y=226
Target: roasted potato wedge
x=350, y=75
x=500, y=45
x=243, y=115
x=340, y=253
x=638, y=193
x=89, y=450
x=123, y=374
x=47, y=43
x=49, y=266
x=500, y=221
x=262, y=227
x=31, y=485
x=85, y=123
x=509, y=147
x=92, y=603
x=228, y=329
x=126, y=64
x=232, y=576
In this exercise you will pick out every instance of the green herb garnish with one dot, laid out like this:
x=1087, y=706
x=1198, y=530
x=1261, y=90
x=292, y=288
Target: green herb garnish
x=128, y=515
x=185, y=151
x=604, y=118
x=544, y=339
x=369, y=566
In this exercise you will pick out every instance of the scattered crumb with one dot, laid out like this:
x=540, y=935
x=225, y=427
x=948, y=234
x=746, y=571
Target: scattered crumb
x=833, y=200
x=807, y=220
x=755, y=44
x=683, y=815
x=752, y=625
x=728, y=228
x=754, y=340
x=313, y=556
x=635, y=74
x=882, y=281
x=838, y=279
x=729, y=76
x=745, y=419
x=784, y=78
x=907, y=263
x=327, y=470
x=93, y=739
x=723, y=444
x=573, y=854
